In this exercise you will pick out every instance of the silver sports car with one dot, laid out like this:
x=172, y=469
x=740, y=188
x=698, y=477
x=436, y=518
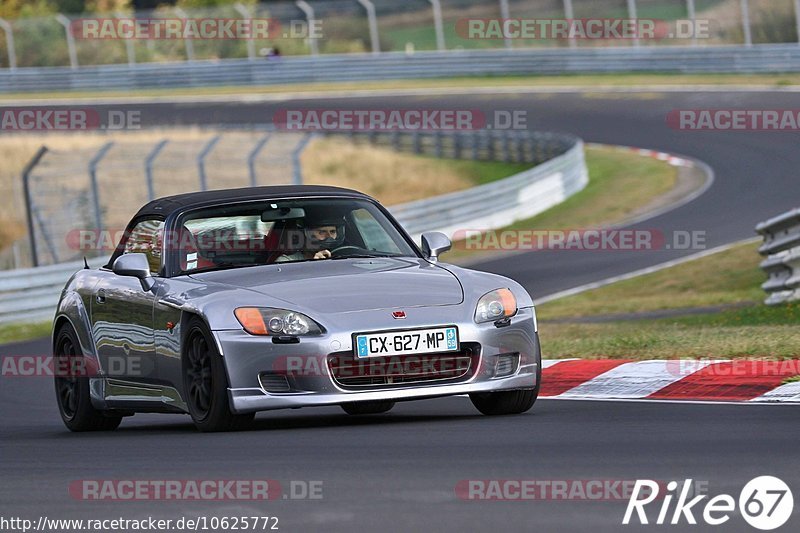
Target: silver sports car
x=220, y=304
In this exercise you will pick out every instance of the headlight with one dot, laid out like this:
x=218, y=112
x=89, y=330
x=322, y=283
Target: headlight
x=495, y=306
x=268, y=321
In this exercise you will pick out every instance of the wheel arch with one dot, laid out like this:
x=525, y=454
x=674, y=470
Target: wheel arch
x=72, y=311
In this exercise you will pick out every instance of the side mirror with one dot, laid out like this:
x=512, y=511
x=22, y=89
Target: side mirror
x=434, y=244
x=137, y=266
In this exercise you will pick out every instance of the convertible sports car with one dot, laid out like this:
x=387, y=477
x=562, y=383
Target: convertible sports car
x=220, y=304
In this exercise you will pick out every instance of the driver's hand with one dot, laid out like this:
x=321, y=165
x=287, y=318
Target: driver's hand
x=323, y=254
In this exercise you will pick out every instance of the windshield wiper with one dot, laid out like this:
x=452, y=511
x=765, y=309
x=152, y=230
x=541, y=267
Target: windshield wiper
x=365, y=256
x=220, y=266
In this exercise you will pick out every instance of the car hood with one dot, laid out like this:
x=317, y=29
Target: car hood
x=347, y=285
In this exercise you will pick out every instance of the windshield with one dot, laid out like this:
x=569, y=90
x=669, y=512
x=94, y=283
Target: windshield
x=285, y=231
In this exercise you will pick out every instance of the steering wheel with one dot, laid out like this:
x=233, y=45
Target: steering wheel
x=344, y=251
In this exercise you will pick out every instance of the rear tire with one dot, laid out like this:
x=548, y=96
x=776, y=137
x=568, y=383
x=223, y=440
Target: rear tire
x=72, y=391
x=205, y=383
x=367, y=408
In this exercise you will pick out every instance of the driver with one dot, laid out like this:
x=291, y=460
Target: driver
x=321, y=235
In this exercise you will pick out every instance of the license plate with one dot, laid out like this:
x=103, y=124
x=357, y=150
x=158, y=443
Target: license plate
x=406, y=342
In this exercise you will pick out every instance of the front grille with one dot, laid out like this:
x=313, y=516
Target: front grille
x=352, y=373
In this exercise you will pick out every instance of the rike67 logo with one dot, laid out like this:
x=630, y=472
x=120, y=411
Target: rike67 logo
x=765, y=503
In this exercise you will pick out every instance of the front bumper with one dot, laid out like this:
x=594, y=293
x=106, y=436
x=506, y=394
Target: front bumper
x=310, y=384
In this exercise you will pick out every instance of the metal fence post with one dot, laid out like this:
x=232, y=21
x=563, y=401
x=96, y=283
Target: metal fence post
x=201, y=161
x=73, y=54
x=748, y=35
x=251, y=158
x=308, y=11
x=128, y=44
x=12, y=52
x=474, y=140
x=187, y=41
x=692, y=13
x=251, y=44
x=437, y=22
x=372, y=20
x=26, y=174
x=98, y=215
x=632, y=14
x=148, y=168
x=296, y=163
x=505, y=14
x=797, y=17
x=569, y=13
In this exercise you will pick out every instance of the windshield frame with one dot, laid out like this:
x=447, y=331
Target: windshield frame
x=174, y=223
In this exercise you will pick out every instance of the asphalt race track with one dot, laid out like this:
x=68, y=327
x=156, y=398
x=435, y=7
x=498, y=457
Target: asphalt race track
x=399, y=471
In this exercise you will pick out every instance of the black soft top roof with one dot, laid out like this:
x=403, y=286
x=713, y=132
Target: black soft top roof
x=170, y=204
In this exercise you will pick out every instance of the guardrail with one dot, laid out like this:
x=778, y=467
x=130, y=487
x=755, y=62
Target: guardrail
x=782, y=265
x=31, y=294
x=561, y=172
x=399, y=65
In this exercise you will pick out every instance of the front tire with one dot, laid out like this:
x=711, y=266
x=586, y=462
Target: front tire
x=367, y=408
x=72, y=391
x=505, y=403
x=206, y=383
x=510, y=402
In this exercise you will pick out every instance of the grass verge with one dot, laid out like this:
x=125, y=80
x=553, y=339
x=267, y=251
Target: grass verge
x=728, y=278
x=725, y=278
x=620, y=184
x=23, y=332
x=396, y=177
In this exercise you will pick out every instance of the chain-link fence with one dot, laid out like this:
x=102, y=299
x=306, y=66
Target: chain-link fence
x=78, y=200
x=348, y=26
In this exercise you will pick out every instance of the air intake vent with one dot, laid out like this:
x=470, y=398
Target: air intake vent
x=506, y=364
x=274, y=383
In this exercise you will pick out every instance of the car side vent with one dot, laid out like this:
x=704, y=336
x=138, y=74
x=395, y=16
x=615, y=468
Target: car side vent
x=274, y=383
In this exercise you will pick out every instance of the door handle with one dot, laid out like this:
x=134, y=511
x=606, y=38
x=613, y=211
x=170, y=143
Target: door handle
x=101, y=296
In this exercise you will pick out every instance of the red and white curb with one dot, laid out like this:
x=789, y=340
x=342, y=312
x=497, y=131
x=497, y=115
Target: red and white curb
x=743, y=380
